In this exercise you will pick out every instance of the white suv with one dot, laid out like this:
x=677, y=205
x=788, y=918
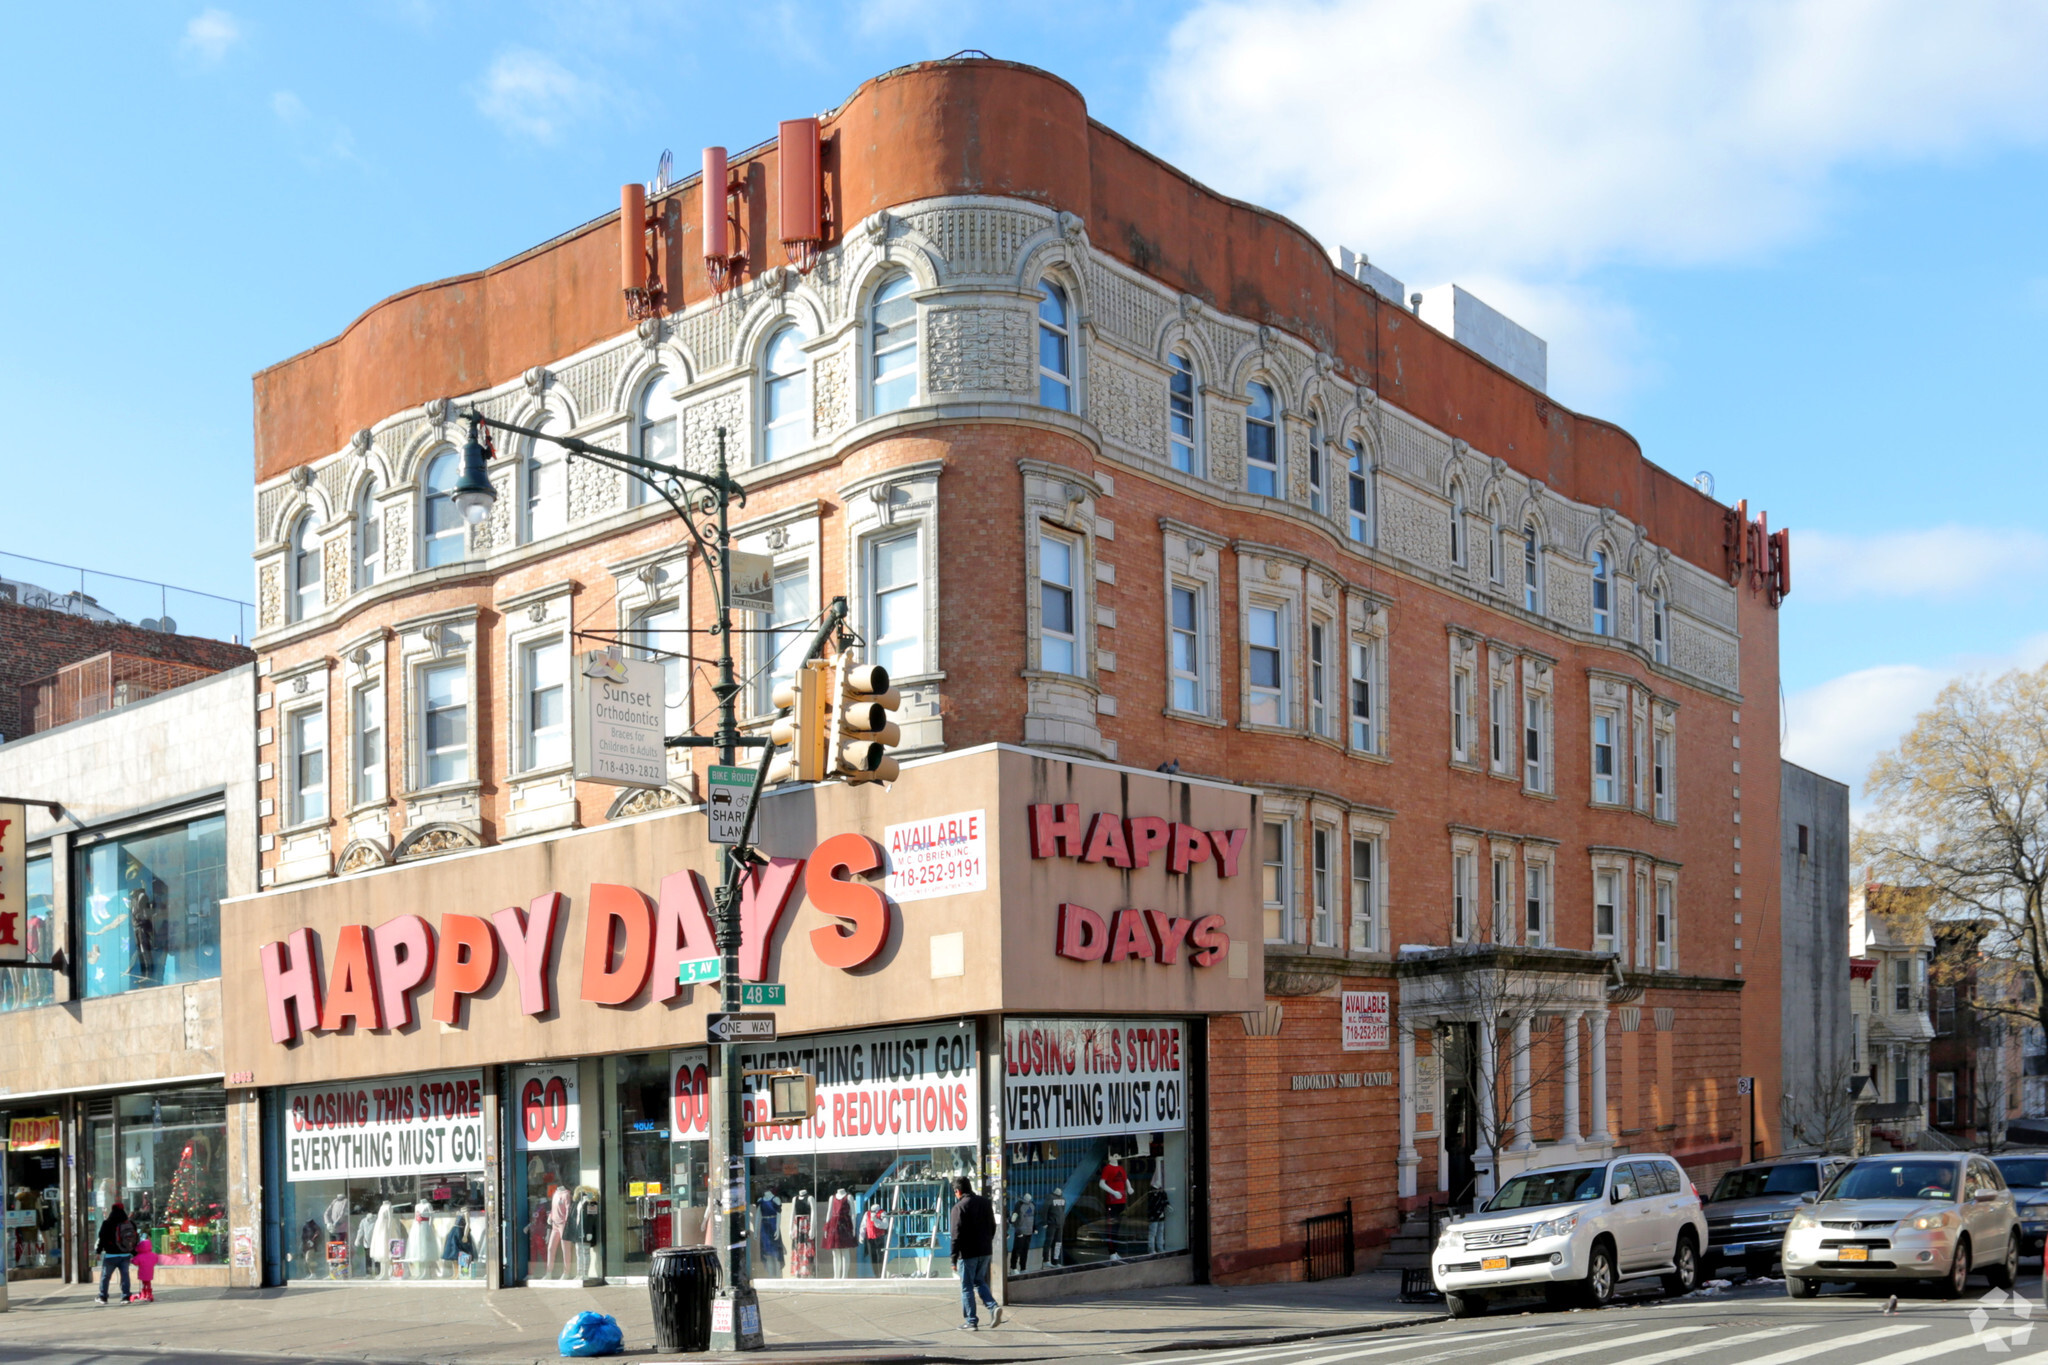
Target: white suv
x=1582, y=1228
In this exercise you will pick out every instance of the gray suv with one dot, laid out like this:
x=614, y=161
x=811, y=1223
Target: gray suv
x=2026, y=1175
x=1750, y=1206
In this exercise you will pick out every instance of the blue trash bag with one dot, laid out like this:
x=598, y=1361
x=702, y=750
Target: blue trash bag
x=592, y=1334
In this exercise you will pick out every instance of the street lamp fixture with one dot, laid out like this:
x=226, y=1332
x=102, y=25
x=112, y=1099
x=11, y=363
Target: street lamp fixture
x=474, y=494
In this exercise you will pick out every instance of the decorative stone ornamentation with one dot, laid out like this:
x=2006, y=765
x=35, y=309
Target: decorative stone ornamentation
x=535, y=380
x=432, y=840
x=978, y=349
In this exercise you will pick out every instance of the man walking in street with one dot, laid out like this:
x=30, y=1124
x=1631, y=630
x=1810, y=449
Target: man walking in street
x=973, y=1227
x=117, y=1242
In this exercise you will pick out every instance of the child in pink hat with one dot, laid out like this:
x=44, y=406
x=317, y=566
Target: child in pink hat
x=145, y=1270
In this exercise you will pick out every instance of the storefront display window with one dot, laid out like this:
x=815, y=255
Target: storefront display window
x=1096, y=1142
x=23, y=990
x=162, y=1155
x=657, y=1163
x=150, y=906
x=557, y=1203
x=32, y=1237
x=384, y=1180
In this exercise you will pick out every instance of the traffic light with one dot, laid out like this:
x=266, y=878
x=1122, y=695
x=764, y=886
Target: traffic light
x=862, y=733
x=804, y=733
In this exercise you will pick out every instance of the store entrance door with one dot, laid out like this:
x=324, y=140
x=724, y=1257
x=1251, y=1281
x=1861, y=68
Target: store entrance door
x=1458, y=1045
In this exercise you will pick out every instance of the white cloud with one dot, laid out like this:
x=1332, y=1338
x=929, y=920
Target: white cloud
x=1536, y=140
x=533, y=95
x=209, y=34
x=1941, y=562
x=288, y=106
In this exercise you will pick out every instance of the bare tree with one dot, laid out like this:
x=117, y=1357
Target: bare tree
x=1825, y=1118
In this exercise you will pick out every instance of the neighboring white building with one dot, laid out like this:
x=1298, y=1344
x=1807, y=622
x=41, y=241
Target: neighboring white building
x=1889, y=1016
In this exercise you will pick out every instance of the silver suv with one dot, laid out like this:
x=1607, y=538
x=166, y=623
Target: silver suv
x=1931, y=1216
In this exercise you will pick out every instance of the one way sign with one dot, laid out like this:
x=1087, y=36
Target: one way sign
x=739, y=1028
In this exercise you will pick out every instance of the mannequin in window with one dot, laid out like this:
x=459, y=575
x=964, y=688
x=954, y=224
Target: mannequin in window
x=558, y=1223
x=768, y=1234
x=1056, y=1229
x=839, y=1233
x=874, y=1237
x=1115, y=1184
x=1158, y=1203
x=801, y=1250
x=585, y=1225
x=334, y=1219
x=377, y=1235
x=1023, y=1225
x=422, y=1249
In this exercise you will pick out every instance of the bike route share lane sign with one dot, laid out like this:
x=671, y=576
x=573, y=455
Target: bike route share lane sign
x=737, y=1028
x=727, y=801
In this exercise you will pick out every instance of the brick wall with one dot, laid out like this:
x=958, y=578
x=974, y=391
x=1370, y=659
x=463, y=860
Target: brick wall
x=35, y=643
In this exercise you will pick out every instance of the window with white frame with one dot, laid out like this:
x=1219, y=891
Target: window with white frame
x=1535, y=903
x=1642, y=930
x=1500, y=720
x=1059, y=641
x=1358, y=480
x=1186, y=661
x=896, y=604
x=1265, y=636
x=1365, y=903
x=1606, y=910
x=1536, y=725
x=443, y=723
x=369, y=537
x=1461, y=701
x=366, y=744
x=545, y=475
x=1532, y=571
x=785, y=395
x=1364, y=684
x=1464, y=895
x=307, y=583
x=1660, y=628
x=1503, y=898
x=1605, y=780
x=659, y=632
x=1182, y=438
x=1603, y=594
x=1261, y=442
x=1055, y=349
x=1662, y=793
x=1458, y=524
x=656, y=422
x=307, y=760
x=441, y=523
x=1322, y=886
x=1277, y=883
x=1496, y=552
x=1667, y=925
x=544, y=704
x=1638, y=793
x=1318, y=476
x=785, y=632
x=892, y=347
x=1320, y=719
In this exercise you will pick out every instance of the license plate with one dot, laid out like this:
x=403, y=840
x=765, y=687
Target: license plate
x=1733, y=1249
x=1854, y=1253
x=1494, y=1263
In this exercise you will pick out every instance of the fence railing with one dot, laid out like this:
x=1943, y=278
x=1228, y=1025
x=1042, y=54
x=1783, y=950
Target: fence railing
x=1330, y=1249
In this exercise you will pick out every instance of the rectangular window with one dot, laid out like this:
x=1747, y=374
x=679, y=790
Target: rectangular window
x=1324, y=925
x=1462, y=895
x=150, y=906
x=1318, y=679
x=1180, y=414
x=1902, y=986
x=896, y=605
x=1606, y=912
x=1360, y=508
x=444, y=724
x=1667, y=926
x=1058, y=628
x=1945, y=1098
x=1186, y=663
x=1638, y=789
x=1364, y=665
x=1461, y=715
x=1503, y=900
x=1902, y=1080
x=366, y=770
x=1642, y=931
x=1603, y=759
x=1262, y=443
x=545, y=706
x=1944, y=1009
x=1660, y=775
x=1277, y=888
x=1499, y=720
x=1365, y=919
x=1264, y=630
x=786, y=632
x=1536, y=922
x=1532, y=583
x=1534, y=772
x=26, y=990
x=1318, y=478
x=308, y=760
x=660, y=633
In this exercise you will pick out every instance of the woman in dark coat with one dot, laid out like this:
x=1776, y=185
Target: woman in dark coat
x=117, y=1242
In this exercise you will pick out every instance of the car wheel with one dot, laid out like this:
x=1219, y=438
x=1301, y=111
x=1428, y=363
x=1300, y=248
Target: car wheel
x=1597, y=1290
x=1958, y=1272
x=1800, y=1288
x=1464, y=1305
x=1685, y=1268
x=2007, y=1271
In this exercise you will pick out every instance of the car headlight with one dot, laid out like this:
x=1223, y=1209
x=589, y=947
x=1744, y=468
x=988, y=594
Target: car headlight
x=1448, y=1237
x=1556, y=1227
x=1801, y=1221
x=1927, y=1222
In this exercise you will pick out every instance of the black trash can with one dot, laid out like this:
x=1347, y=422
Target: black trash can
x=681, y=1283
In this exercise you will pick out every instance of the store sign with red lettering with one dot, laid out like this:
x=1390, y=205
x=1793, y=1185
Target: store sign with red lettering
x=415, y=1125
x=549, y=1117
x=34, y=1135
x=1091, y=1077
x=1367, y=1016
x=916, y=1087
x=13, y=883
x=1134, y=934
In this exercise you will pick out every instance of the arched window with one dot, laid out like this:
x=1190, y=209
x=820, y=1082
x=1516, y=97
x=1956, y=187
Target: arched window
x=1603, y=594
x=306, y=580
x=892, y=347
x=1055, y=349
x=1457, y=523
x=1318, y=476
x=369, y=537
x=785, y=396
x=1180, y=414
x=1261, y=442
x=1359, y=480
x=1496, y=553
x=1660, y=626
x=1532, y=571
x=655, y=430
x=441, y=524
x=546, y=478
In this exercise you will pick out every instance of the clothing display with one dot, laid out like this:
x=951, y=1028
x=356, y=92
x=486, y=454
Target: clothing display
x=769, y=1234
x=1023, y=1223
x=377, y=1236
x=801, y=1246
x=421, y=1248
x=458, y=1243
x=874, y=1237
x=1157, y=1205
x=558, y=1252
x=1115, y=1184
x=1056, y=1229
x=839, y=1239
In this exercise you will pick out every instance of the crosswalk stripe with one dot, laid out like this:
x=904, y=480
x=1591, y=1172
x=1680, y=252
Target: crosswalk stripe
x=1720, y=1343
x=1836, y=1344
x=1406, y=1343
x=1255, y=1355
x=1957, y=1343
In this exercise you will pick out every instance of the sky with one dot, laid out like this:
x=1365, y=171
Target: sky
x=1796, y=245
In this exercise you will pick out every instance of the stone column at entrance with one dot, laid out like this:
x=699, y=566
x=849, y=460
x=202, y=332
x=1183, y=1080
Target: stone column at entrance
x=1489, y=1112
x=1600, y=1133
x=1571, y=1077
x=1406, y=1162
x=1521, y=1103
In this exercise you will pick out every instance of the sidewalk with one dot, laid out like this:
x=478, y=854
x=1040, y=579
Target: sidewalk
x=390, y=1324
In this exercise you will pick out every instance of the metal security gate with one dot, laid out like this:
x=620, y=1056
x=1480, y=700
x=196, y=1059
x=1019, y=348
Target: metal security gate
x=1330, y=1251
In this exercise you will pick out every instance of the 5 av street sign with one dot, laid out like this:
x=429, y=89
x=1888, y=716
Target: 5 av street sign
x=740, y=1028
